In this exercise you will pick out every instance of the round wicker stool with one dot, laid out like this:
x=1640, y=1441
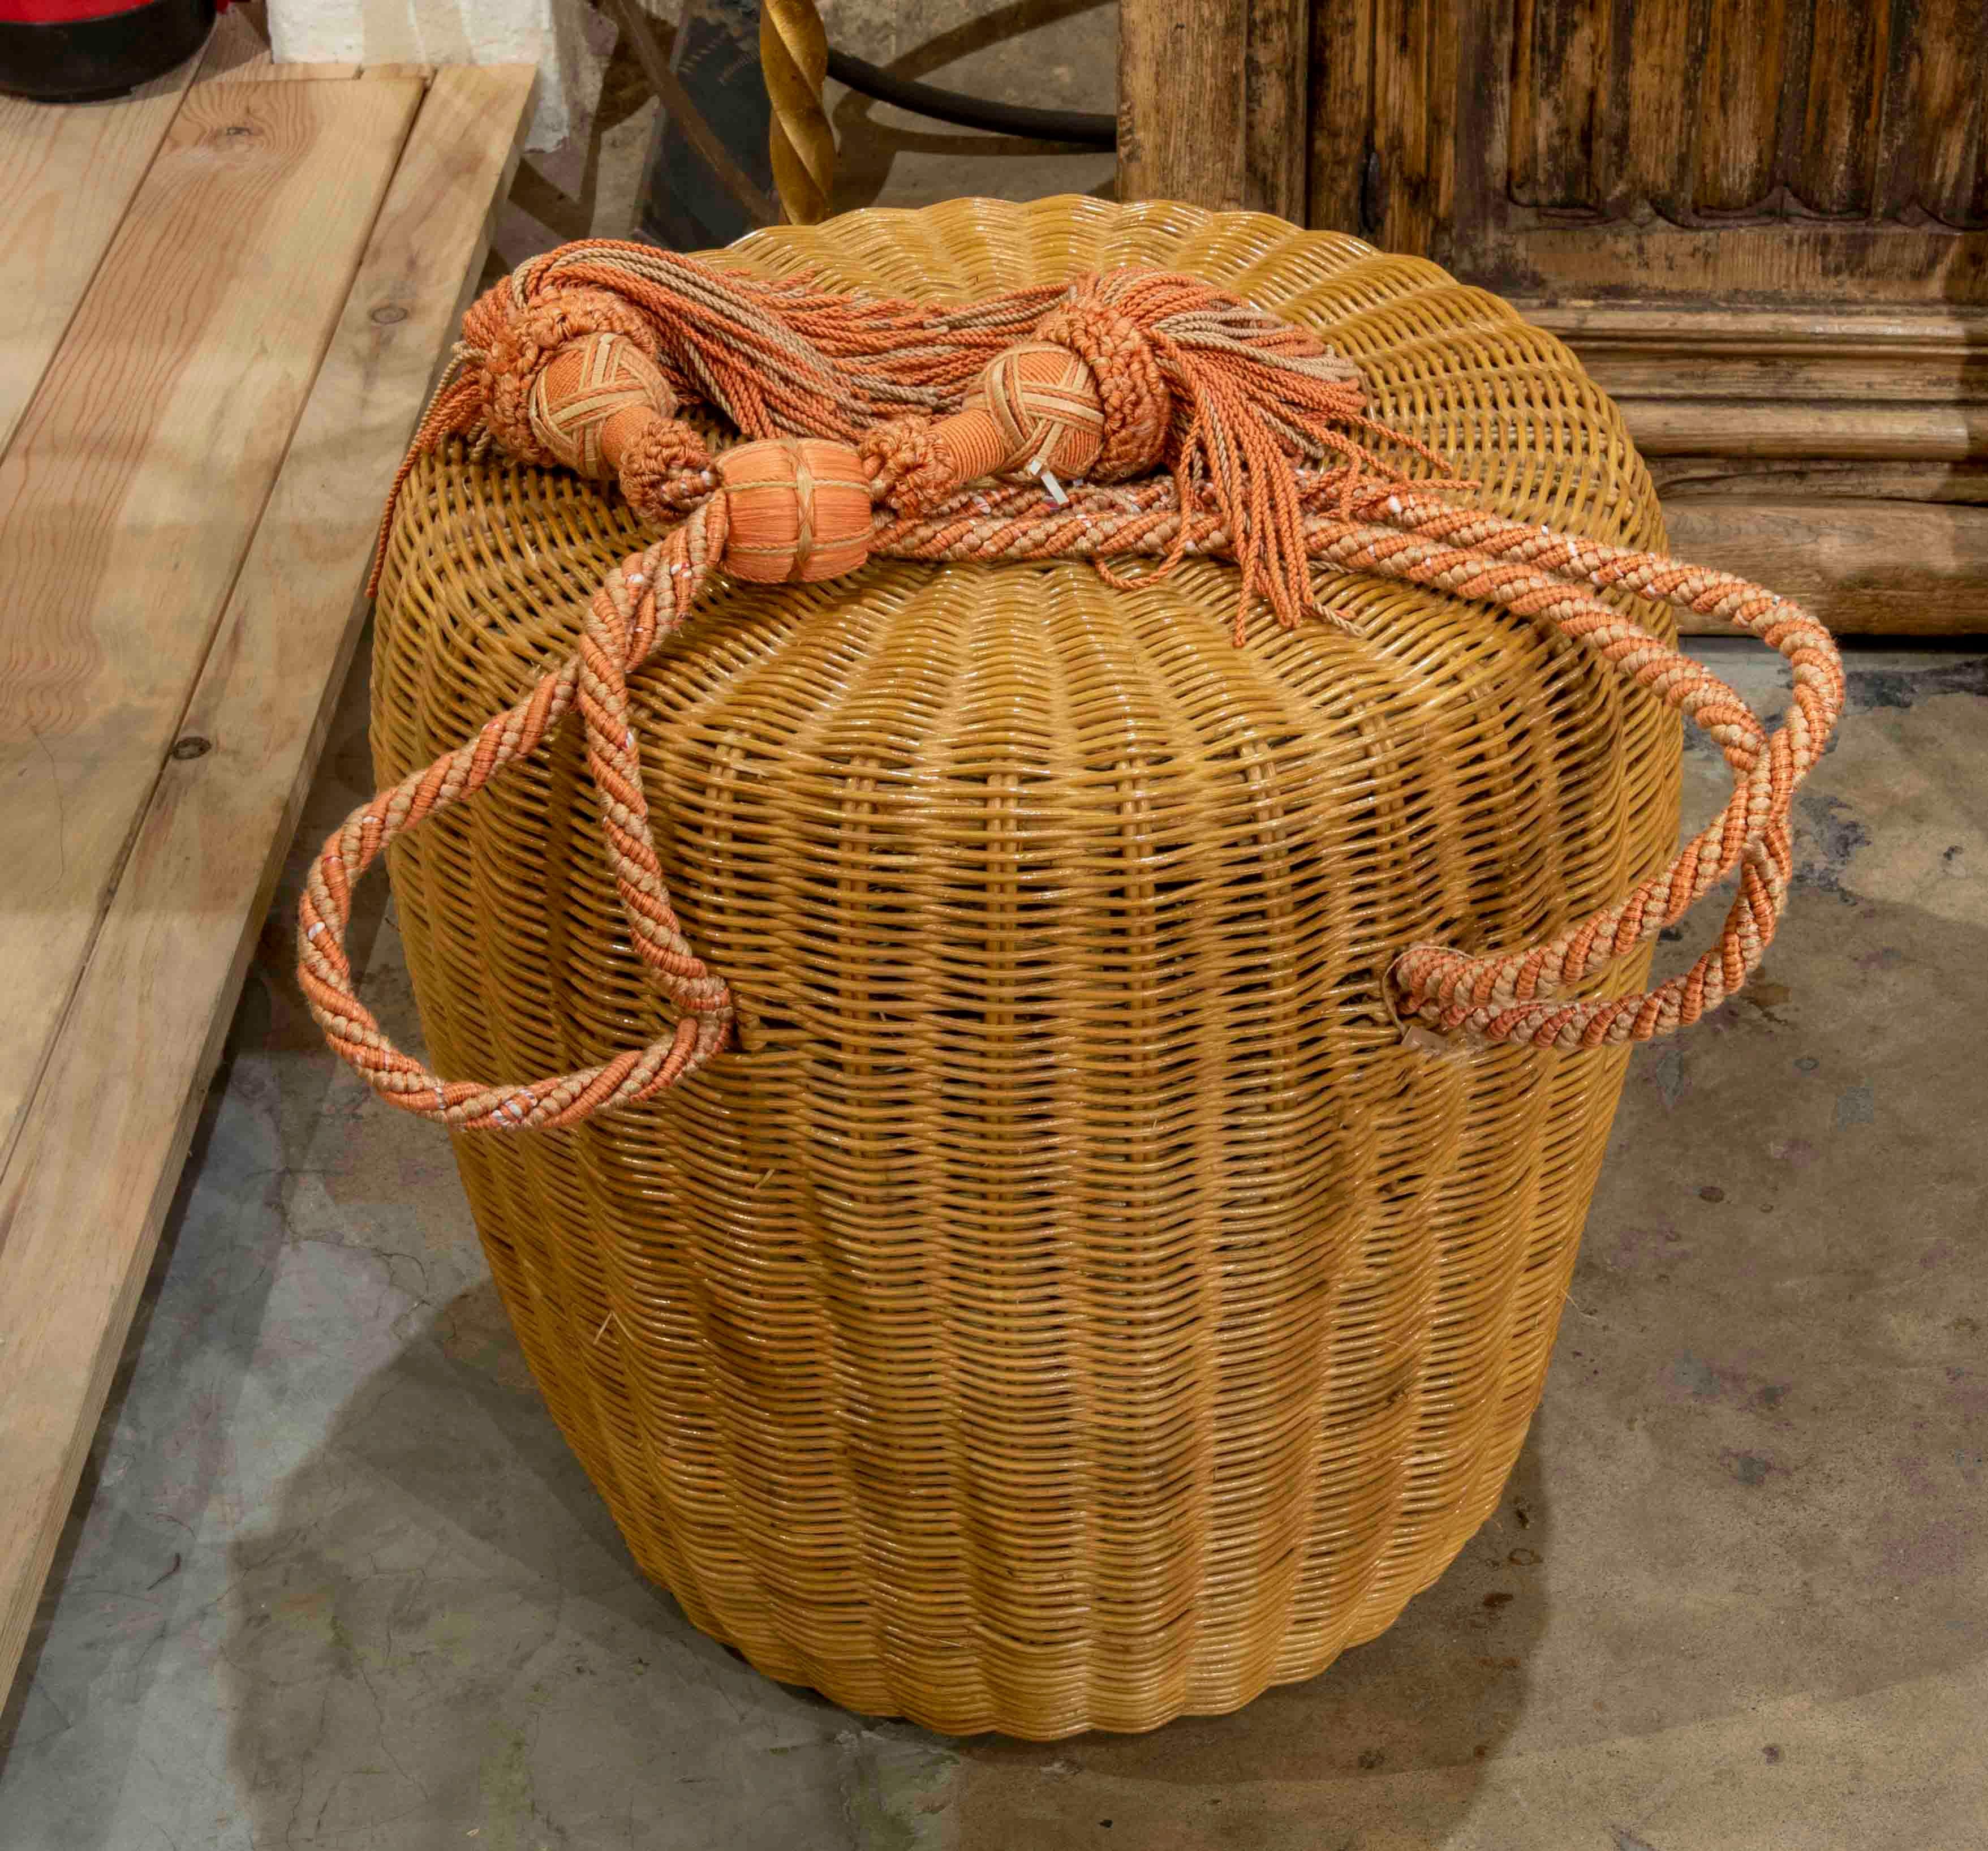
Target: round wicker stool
x=1072, y=1303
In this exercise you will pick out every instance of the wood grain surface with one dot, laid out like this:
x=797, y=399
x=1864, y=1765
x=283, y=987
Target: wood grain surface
x=1828, y=150
x=1875, y=568
x=1797, y=354
x=1341, y=156
x=1211, y=104
x=134, y=481
x=1738, y=142
x=71, y=170
x=1775, y=427
x=1803, y=477
x=1418, y=97
x=81, y=1197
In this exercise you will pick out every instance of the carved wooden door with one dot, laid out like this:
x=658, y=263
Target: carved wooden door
x=1764, y=225
x=1681, y=149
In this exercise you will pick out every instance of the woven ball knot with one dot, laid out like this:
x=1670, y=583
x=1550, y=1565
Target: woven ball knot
x=666, y=471
x=1044, y=401
x=907, y=466
x=520, y=342
x=591, y=398
x=1136, y=409
x=798, y=510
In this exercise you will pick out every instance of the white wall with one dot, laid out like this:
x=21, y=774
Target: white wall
x=567, y=40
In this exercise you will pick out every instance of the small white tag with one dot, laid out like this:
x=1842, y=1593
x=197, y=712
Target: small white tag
x=1425, y=1040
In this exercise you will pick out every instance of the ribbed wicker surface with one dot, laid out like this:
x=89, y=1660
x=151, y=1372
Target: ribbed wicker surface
x=1075, y=1307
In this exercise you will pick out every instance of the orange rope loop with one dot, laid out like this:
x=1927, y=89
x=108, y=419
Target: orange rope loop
x=922, y=432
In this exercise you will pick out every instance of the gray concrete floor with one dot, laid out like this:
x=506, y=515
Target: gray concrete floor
x=335, y=1583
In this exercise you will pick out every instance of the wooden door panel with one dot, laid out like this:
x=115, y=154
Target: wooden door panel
x=1737, y=151
x=1600, y=127
x=1813, y=149
x=1947, y=95
x=1764, y=224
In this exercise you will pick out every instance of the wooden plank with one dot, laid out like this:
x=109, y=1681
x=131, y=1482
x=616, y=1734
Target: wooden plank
x=134, y=481
x=1416, y=123
x=1958, y=329
x=1818, y=373
x=1936, y=114
x=1872, y=568
x=1642, y=350
x=1742, y=427
x=1344, y=171
x=1180, y=102
x=72, y=169
x=262, y=68
x=83, y=1197
x=1836, y=167
x=1739, y=128
x=1563, y=95
x=1828, y=150
x=1835, y=263
x=1274, y=87
x=1211, y=104
x=1661, y=108
x=1789, y=478
x=1475, y=101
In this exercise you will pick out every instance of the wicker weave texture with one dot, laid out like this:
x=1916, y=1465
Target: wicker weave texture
x=1073, y=1307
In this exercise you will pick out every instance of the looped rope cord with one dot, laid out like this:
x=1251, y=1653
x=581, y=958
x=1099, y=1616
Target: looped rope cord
x=643, y=600
x=1342, y=519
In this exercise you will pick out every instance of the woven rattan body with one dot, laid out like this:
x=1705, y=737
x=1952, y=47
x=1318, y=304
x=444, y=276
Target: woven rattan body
x=1074, y=1305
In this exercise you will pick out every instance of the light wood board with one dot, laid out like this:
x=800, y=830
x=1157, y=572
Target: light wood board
x=89, y=1180
x=1869, y=568
x=134, y=481
x=71, y=170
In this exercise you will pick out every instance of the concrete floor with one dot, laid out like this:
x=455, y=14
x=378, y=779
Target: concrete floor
x=335, y=1583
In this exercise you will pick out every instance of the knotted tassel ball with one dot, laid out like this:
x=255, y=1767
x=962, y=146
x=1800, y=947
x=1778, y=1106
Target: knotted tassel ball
x=1037, y=408
x=589, y=400
x=798, y=508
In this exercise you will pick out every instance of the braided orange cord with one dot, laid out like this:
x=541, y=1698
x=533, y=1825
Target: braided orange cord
x=1184, y=373
x=625, y=621
x=1533, y=572
x=1229, y=412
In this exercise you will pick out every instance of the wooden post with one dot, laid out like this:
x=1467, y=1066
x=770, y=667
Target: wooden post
x=1211, y=102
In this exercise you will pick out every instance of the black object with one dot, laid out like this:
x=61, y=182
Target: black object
x=78, y=51
x=684, y=206
x=1075, y=128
